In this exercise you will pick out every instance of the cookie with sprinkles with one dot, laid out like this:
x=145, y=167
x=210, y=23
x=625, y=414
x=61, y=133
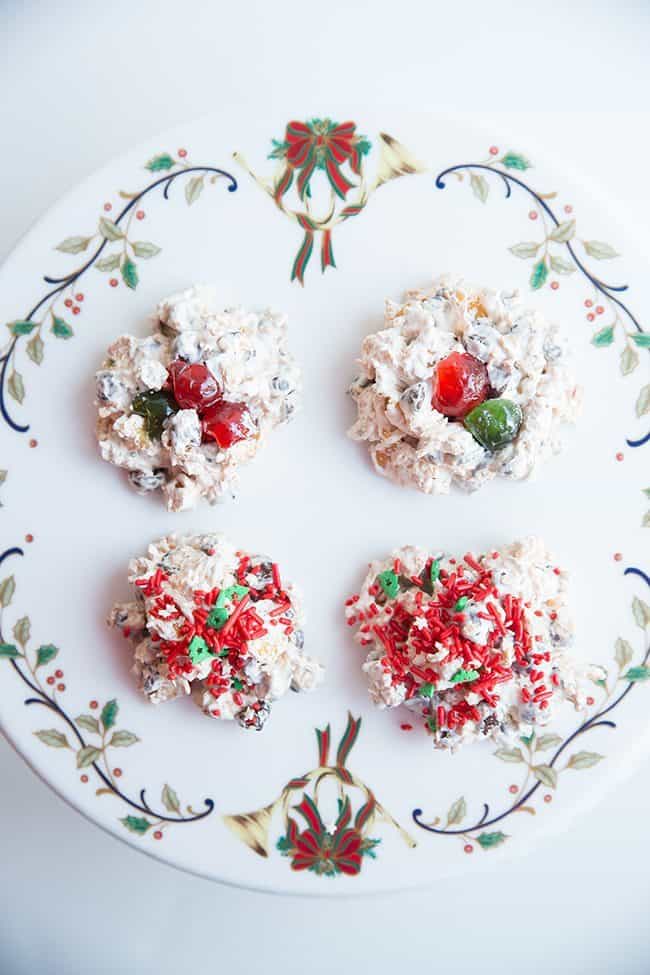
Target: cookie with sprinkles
x=219, y=624
x=479, y=646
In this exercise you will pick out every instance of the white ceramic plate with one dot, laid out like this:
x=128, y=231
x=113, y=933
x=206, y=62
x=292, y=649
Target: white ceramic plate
x=311, y=499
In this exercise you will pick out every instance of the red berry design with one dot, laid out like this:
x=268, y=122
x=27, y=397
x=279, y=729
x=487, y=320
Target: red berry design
x=618, y=557
x=108, y=207
x=117, y=772
x=599, y=309
x=182, y=153
x=113, y=282
x=619, y=456
x=194, y=386
x=68, y=302
x=58, y=673
x=548, y=798
x=533, y=215
x=158, y=835
x=568, y=208
x=76, y=310
x=591, y=317
x=139, y=214
x=29, y=538
x=588, y=303
x=79, y=297
x=468, y=848
x=460, y=383
x=50, y=680
x=493, y=150
x=555, y=285
x=514, y=789
x=84, y=778
x=227, y=423
x=590, y=701
x=94, y=705
x=33, y=443
x=60, y=687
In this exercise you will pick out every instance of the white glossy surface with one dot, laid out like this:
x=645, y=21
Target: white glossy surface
x=595, y=851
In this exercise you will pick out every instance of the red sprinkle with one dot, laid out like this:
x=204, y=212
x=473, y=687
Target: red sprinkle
x=406, y=727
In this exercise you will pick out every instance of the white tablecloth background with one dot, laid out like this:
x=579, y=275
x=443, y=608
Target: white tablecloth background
x=80, y=83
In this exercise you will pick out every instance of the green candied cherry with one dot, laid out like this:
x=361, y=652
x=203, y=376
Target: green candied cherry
x=155, y=405
x=494, y=423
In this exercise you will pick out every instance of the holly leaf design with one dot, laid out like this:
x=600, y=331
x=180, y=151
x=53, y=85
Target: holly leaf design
x=643, y=401
x=60, y=328
x=528, y=739
x=546, y=775
x=604, y=337
x=22, y=630
x=53, y=738
x=527, y=248
x=9, y=651
x=170, y=799
x=560, y=266
x=457, y=812
x=109, y=714
x=480, y=186
x=639, y=673
x=160, y=163
x=73, y=245
x=563, y=232
x=509, y=754
x=584, y=760
x=35, y=349
x=45, y=654
x=110, y=263
x=88, y=723
x=122, y=739
x=193, y=189
x=87, y=755
x=109, y=230
x=539, y=275
x=487, y=841
x=646, y=520
x=641, y=612
x=21, y=328
x=129, y=273
x=136, y=824
x=623, y=653
x=545, y=742
x=514, y=160
x=7, y=590
x=599, y=249
x=629, y=360
x=16, y=386
x=143, y=248
x=642, y=339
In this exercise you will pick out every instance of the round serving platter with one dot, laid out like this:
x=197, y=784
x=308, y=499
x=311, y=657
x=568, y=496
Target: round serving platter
x=214, y=201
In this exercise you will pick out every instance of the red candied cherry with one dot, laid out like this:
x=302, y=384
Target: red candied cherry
x=460, y=383
x=194, y=386
x=227, y=423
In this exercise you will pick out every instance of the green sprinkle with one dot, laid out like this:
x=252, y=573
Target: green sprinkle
x=237, y=684
x=217, y=617
x=389, y=583
x=461, y=604
x=199, y=650
x=435, y=570
x=426, y=690
x=431, y=725
x=228, y=593
x=462, y=676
